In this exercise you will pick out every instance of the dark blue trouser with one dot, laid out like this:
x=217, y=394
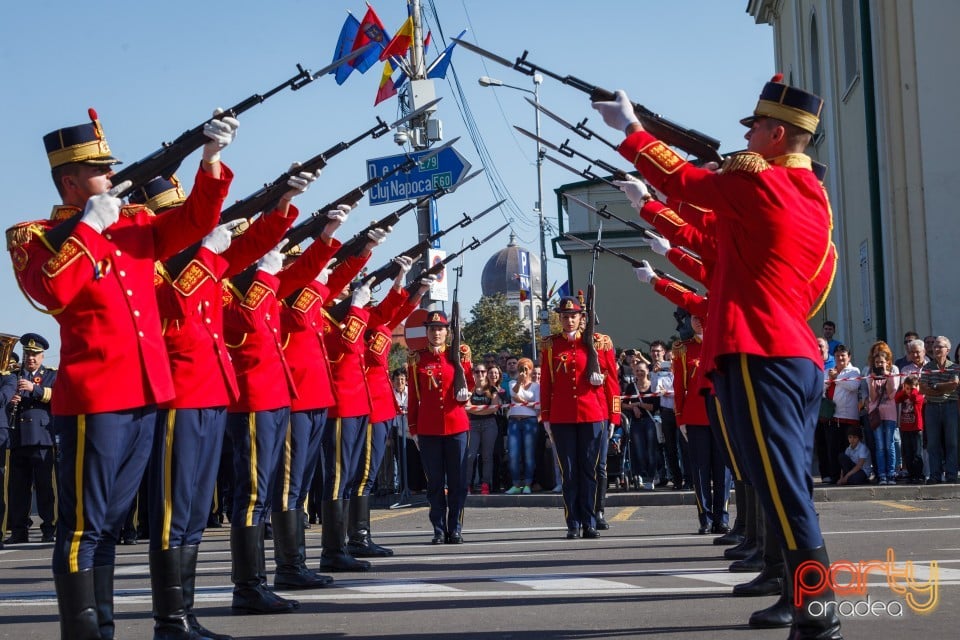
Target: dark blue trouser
x=102, y=459
x=770, y=406
x=340, y=443
x=711, y=479
x=445, y=465
x=578, y=450
x=372, y=449
x=182, y=474
x=301, y=451
x=31, y=470
x=643, y=448
x=257, y=439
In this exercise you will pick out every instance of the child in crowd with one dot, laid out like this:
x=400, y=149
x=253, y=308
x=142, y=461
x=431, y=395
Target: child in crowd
x=911, y=403
x=855, y=461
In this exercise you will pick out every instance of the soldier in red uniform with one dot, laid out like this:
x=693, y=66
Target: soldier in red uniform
x=384, y=318
x=773, y=225
x=100, y=286
x=576, y=408
x=438, y=422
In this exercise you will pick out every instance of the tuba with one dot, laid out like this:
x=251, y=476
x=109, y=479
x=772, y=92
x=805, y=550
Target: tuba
x=7, y=343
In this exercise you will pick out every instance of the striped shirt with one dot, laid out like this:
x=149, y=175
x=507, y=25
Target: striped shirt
x=932, y=374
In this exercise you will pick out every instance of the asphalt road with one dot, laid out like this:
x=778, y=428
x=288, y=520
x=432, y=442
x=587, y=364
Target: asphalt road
x=516, y=576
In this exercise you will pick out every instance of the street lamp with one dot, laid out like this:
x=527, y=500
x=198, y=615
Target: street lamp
x=486, y=81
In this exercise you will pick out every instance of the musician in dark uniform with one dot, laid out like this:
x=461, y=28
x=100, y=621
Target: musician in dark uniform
x=31, y=444
x=438, y=422
x=773, y=229
x=577, y=406
x=8, y=387
x=114, y=370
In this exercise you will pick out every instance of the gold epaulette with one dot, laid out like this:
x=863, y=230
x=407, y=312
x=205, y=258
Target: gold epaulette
x=465, y=355
x=20, y=234
x=746, y=161
x=130, y=210
x=602, y=341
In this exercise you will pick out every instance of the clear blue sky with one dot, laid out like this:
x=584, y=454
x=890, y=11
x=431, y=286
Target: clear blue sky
x=153, y=70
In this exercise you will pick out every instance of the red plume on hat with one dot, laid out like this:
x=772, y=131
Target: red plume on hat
x=777, y=77
x=580, y=297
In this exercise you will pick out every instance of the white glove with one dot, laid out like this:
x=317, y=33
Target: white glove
x=221, y=133
x=659, y=244
x=219, y=239
x=336, y=216
x=405, y=263
x=427, y=281
x=377, y=237
x=645, y=272
x=617, y=113
x=463, y=394
x=596, y=379
x=360, y=297
x=299, y=181
x=635, y=190
x=103, y=209
x=272, y=262
x=324, y=276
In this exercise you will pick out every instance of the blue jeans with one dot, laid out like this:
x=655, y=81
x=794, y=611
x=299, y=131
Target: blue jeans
x=940, y=424
x=643, y=438
x=886, y=454
x=522, y=447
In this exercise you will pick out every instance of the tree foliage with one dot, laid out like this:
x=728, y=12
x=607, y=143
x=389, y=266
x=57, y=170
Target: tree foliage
x=495, y=325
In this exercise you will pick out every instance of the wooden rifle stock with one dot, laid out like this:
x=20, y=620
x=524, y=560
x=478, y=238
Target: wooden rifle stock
x=593, y=359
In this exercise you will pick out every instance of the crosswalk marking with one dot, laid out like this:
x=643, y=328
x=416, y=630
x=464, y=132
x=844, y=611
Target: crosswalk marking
x=569, y=584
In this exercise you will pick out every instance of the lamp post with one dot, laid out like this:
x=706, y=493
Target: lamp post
x=486, y=81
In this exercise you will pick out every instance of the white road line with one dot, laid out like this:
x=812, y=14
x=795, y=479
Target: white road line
x=570, y=584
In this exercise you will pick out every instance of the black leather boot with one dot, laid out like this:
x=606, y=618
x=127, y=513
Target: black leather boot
x=292, y=572
x=169, y=616
x=736, y=534
x=249, y=593
x=77, y=606
x=812, y=620
x=753, y=562
x=769, y=582
x=359, y=542
x=188, y=582
x=334, y=556
x=103, y=594
x=746, y=547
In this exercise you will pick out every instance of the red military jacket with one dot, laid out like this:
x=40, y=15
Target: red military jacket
x=686, y=226
x=384, y=318
x=101, y=289
x=191, y=310
x=688, y=264
x=345, y=348
x=566, y=395
x=302, y=319
x=432, y=407
x=690, y=405
x=773, y=237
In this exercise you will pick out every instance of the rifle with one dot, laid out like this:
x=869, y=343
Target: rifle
x=593, y=359
x=313, y=225
x=570, y=152
x=689, y=140
x=632, y=261
x=267, y=197
x=165, y=160
x=456, y=337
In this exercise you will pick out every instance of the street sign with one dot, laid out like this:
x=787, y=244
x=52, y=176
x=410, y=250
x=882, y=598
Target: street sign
x=414, y=333
x=442, y=170
x=524, y=270
x=438, y=290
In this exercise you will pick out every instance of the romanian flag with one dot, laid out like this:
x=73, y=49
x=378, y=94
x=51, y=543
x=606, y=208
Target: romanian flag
x=370, y=30
x=388, y=88
x=401, y=41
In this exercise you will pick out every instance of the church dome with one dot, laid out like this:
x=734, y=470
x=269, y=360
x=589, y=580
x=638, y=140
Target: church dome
x=500, y=272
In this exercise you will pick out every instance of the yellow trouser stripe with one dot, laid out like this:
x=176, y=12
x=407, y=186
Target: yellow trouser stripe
x=338, y=460
x=252, y=435
x=781, y=512
x=726, y=439
x=167, y=479
x=287, y=449
x=73, y=560
x=367, y=456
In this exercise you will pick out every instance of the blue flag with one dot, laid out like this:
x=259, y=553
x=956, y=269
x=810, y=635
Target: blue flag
x=348, y=33
x=439, y=67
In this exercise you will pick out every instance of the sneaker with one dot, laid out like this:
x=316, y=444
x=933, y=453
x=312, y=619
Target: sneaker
x=826, y=480
x=648, y=486
x=526, y=490
x=484, y=489
x=558, y=489
x=512, y=491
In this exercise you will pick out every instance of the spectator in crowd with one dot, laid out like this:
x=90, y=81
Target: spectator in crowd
x=855, y=461
x=911, y=403
x=829, y=334
x=481, y=410
x=828, y=361
x=843, y=386
x=908, y=337
x=509, y=373
x=662, y=380
x=490, y=359
x=416, y=481
x=928, y=345
x=916, y=357
x=643, y=427
x=938, y=383
x=499, y=464
x=882, y=385
x=522, y=427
